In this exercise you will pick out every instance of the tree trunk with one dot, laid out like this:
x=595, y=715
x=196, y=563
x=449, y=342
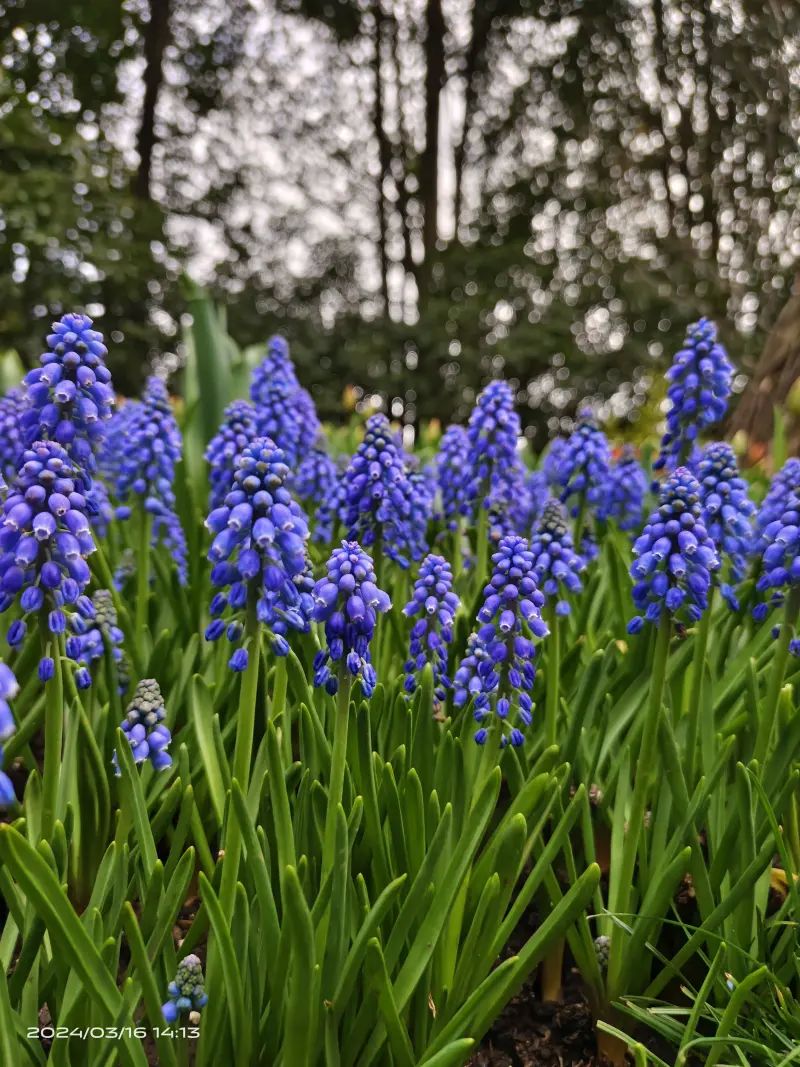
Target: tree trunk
x=384, y=156
x=477, y=42
x=776, y=372
x=156, y=35
x=429, y=164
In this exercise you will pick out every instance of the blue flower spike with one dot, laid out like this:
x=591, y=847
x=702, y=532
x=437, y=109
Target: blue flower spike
x=70, y=396
x=433, y=606
x=144, y=727
x=498, y=671
x=728, y=513
x=348, y=601
x=259, y=554
x=237, y=430
x=45, y=541
x=186, y=993
x=699, y=384
x=557, y=566
x=675, y=558
x=377, y=505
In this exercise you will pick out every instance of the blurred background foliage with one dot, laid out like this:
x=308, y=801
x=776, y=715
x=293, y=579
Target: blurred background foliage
x=418, y=193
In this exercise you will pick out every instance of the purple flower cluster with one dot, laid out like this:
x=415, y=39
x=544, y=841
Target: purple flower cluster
x=494, y=469
x=779, y=547
x=583, y=466
x=556, y=564
x=147, y=446
x=348, y=601
x=727, y=511
x=433, y=604
x=675, y=557
x=8, y=690
x=144, y=727
x=44, y=542
x=450, y=474
x=625, y=492
x=93, y=636
x=422, y=489
x=537, y=495
x=784, y=485
x=551, y=464
x=237, y=430
x=186, y=992
x=70, y=396
x=259, y=553
x=317, y=485
x=284, y=411
x=699, y=386
x=498, y=670
x=377, y=503
x=12, y=406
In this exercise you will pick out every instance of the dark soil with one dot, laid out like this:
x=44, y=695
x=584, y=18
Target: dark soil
x=530, y=1033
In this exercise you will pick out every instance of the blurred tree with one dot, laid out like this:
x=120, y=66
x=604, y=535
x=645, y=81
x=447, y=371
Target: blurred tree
x=71, y=232
x=422, y=193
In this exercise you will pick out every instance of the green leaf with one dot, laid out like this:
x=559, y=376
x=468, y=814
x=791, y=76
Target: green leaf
x=50, y=902
x=234, y=993
x=152, y=1000
x=202, y=715
x=301, y=1011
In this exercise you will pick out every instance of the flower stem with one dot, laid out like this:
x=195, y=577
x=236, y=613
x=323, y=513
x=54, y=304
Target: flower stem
x=482, y=549
x=458, y=556
x=246, y=719
x=769, y=710
x=53, y=740
x=553, y=679
x=643, y=777
x=278, y=710
x=338, y=762
x=245, y=727
x=696, y=689
x=143, y=581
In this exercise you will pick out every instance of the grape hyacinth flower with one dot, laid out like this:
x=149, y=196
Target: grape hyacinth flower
x=70, y=396
x=186, y=992
x=259, y=554
x=433, y=605
x=147, y=447
x=498, y=670
x=699, y=386
x=237, y=430
x=44, y=543
x=727, y=512
x=422, y=485
x=495, y=471
x=144, y=727
x=784, y=484
x=12, y=406
x=780, y=556
x=284, y=412
x=625, y=492
x=450, y=472
x=316, y=484
x=551, y=464
x=329, y=509
x=536, y=498
x=348, y=601
x=377, y=495
x=675, y=557
x=583, y=467
x=101, y=634
x=557, y=566
x=8, y=690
